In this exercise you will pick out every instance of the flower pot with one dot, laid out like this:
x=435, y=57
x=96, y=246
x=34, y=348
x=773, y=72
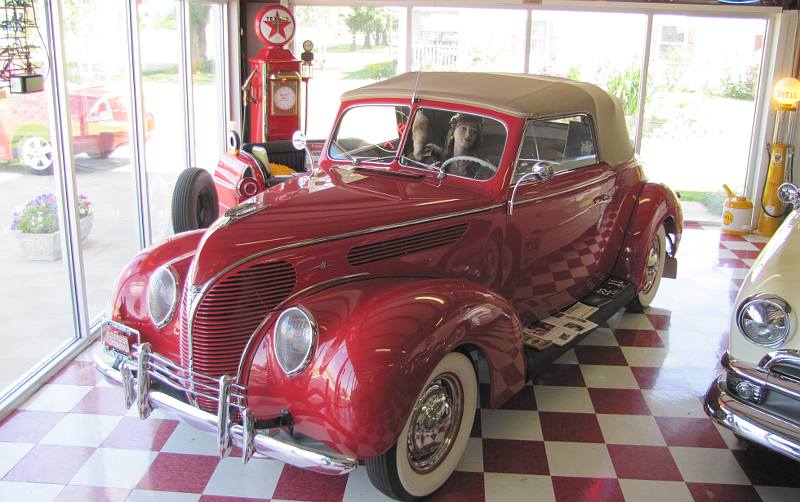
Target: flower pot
x=47, y=247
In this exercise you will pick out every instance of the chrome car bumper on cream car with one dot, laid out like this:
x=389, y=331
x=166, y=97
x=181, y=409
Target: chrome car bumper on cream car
x=135, y=373
x=755, y=417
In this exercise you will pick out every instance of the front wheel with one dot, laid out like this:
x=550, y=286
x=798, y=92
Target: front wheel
x=653, y=270
x=435, y=434
x=194, y=201
x=37, y=154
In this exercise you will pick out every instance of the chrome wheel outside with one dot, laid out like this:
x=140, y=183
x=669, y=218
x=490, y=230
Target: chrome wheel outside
x=36, y=153
x=435, y=422
x=652, y=267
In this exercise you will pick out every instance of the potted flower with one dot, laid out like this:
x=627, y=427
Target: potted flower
x=37, y=229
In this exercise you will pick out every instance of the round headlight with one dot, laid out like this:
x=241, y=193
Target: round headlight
x=764, y=320
x=162, y=295
x=294, y=339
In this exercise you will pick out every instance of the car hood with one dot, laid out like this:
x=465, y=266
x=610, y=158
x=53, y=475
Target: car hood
x=328, y=206
x=776, y=271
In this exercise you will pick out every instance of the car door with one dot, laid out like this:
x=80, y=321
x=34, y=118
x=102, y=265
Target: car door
x=559, y=228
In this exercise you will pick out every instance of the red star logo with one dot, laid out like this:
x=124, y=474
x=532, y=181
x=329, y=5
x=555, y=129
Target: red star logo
x=277, y=25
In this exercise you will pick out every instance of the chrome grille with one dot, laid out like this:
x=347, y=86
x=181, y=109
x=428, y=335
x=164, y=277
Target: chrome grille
x=407, y=244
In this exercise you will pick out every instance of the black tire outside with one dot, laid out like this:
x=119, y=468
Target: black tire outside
x=379, y=470
x=194, y=201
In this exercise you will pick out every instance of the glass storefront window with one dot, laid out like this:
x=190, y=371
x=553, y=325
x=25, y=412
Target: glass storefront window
x=700, y=103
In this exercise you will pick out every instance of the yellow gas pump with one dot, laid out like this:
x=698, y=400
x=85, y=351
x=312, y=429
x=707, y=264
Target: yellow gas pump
x=787, y=94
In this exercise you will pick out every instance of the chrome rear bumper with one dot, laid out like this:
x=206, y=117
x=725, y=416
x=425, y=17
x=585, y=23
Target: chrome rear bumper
x=746, y=419
x=138, y=390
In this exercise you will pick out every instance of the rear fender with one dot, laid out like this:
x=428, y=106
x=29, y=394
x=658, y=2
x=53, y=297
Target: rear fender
x=379, y=340
x=656, y=205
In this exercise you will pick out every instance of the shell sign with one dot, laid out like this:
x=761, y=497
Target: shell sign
x=787, y=92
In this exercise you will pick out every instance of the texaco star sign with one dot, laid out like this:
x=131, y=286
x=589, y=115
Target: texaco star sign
x=275, y=25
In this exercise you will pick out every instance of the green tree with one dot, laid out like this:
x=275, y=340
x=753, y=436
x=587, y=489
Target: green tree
x=624, y=84
x=372, y=22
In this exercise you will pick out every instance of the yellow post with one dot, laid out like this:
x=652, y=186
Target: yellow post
x=767, y=225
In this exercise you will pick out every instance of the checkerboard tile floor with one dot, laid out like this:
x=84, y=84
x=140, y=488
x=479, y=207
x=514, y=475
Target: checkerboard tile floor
x=617, y=418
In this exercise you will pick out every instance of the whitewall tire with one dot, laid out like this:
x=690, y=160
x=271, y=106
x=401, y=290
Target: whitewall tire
x=654, y=268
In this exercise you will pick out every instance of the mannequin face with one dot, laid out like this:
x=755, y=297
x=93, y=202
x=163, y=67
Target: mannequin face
x=464, y=135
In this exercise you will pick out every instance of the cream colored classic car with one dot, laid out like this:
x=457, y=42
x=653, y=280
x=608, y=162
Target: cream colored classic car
x=758, y=395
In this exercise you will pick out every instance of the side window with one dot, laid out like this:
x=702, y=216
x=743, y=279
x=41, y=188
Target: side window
x=369, y=133
x=567, y=142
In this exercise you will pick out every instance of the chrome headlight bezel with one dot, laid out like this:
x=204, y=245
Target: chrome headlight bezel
x=772, y=301
x=163, y=272
x=277, y=336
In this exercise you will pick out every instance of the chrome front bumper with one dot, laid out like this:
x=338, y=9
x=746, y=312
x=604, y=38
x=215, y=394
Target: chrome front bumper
x=747, y=420
x=135, y=375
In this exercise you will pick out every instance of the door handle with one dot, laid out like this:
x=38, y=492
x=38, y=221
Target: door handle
x=602, y=199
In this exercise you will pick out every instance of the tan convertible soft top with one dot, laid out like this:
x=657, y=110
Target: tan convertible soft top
x=529, y=96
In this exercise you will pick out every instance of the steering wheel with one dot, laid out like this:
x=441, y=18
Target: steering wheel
x=487, y=168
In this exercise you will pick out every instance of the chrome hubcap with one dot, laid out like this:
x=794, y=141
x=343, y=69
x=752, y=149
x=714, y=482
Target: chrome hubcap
x=651, y=271
x=434, y=423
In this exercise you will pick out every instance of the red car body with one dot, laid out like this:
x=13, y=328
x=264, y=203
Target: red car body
x=399, y=265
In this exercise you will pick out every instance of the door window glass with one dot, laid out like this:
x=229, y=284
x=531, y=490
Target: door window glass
x=567, y=142
x=369, y=133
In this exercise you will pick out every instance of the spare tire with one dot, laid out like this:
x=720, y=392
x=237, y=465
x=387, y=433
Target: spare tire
x=194, y=201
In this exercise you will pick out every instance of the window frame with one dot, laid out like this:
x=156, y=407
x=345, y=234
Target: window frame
x=335, y=132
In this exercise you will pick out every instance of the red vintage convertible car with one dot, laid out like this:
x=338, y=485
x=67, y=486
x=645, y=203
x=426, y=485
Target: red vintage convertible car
x=338, y=318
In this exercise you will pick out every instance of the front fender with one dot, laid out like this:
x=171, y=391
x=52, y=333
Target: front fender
x=656, y=205
x=379, y=339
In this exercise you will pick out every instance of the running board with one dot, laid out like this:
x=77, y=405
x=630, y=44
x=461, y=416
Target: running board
x=609, y=298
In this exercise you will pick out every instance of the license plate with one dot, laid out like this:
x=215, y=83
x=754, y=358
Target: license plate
x=116, y=341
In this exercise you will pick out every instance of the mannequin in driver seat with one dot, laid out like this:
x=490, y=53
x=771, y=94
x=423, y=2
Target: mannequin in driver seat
x=463, y=139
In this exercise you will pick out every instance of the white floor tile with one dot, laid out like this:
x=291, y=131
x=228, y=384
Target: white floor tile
x=256, y=479
x=777, y=493
x=507, y=487
x=608, y=377
x=636, y=490
x=10, y=454
x=587, y=460
x=511, y=424
x=630, y=429
x=567, y=357
x=740, y=246
x=601, y=336
x=156, y=496
x=56, y=397
x=472, y=460
x=360, y=489
x=566, y=399
x=114, y=467
x=29, y=492
x=634, y=321
x=668, y=403
x=708, y=465
x=650, y=357
x=187, y=439
x=77, y=429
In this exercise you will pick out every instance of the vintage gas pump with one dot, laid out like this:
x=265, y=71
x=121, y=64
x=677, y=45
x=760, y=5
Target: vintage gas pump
x=272, y=90
x=787, y=94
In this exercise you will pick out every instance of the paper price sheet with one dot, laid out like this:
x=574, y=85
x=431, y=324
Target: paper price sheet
x=560, y=328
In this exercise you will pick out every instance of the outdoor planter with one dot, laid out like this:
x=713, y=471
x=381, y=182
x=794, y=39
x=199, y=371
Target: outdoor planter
x=47, y=247
x=36, y=226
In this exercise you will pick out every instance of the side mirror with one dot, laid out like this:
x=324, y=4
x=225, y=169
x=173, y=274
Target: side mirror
x=542, y=170
x=789, y=194
x=299, y=140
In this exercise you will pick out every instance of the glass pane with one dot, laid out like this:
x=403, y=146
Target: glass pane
x=37, y=309
x=163, y=98
x=97, y=82
x=605, y=49
x=370, y=133
x=353, y=46
x=700, y=104
x=567, y=142
x=456, y=39
x=205, y=42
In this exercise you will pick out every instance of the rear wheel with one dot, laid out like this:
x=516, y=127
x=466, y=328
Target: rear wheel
x=194, y=201
x=653, y=271
x=435, y=434
x=37, y=154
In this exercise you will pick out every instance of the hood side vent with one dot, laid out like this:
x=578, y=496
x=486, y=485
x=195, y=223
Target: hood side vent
x=405, y=245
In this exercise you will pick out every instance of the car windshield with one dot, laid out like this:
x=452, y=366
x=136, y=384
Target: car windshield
x=457, y=143
x=369, y=134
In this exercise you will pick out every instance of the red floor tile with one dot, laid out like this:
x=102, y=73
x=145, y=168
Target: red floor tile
x=523, y=400
x=50, y=464
x=707, y=492
x=299, y=484
x=77, y=373
x=592, y=354
x=746, y=254
x=102, y=401
x=692, y=225
x=643, y=462
x=698, y=432
x=176, y=472
x=765, y=467
x=619, y=401
x=579, y=427
x=216, y=498
x=135, y=434
x=516, y=457
x=566, y=375
x=28, y=426
x=659, y=321
x=638, y=338
x=584, y=489
x=460, y=487
x=660, y=378
x=732, y=237
x=476, y=425
x=92, y=493
x=732, y=263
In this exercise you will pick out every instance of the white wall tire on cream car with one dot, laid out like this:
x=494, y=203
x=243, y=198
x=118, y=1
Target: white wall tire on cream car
x=435, y=434
x=653, y=270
